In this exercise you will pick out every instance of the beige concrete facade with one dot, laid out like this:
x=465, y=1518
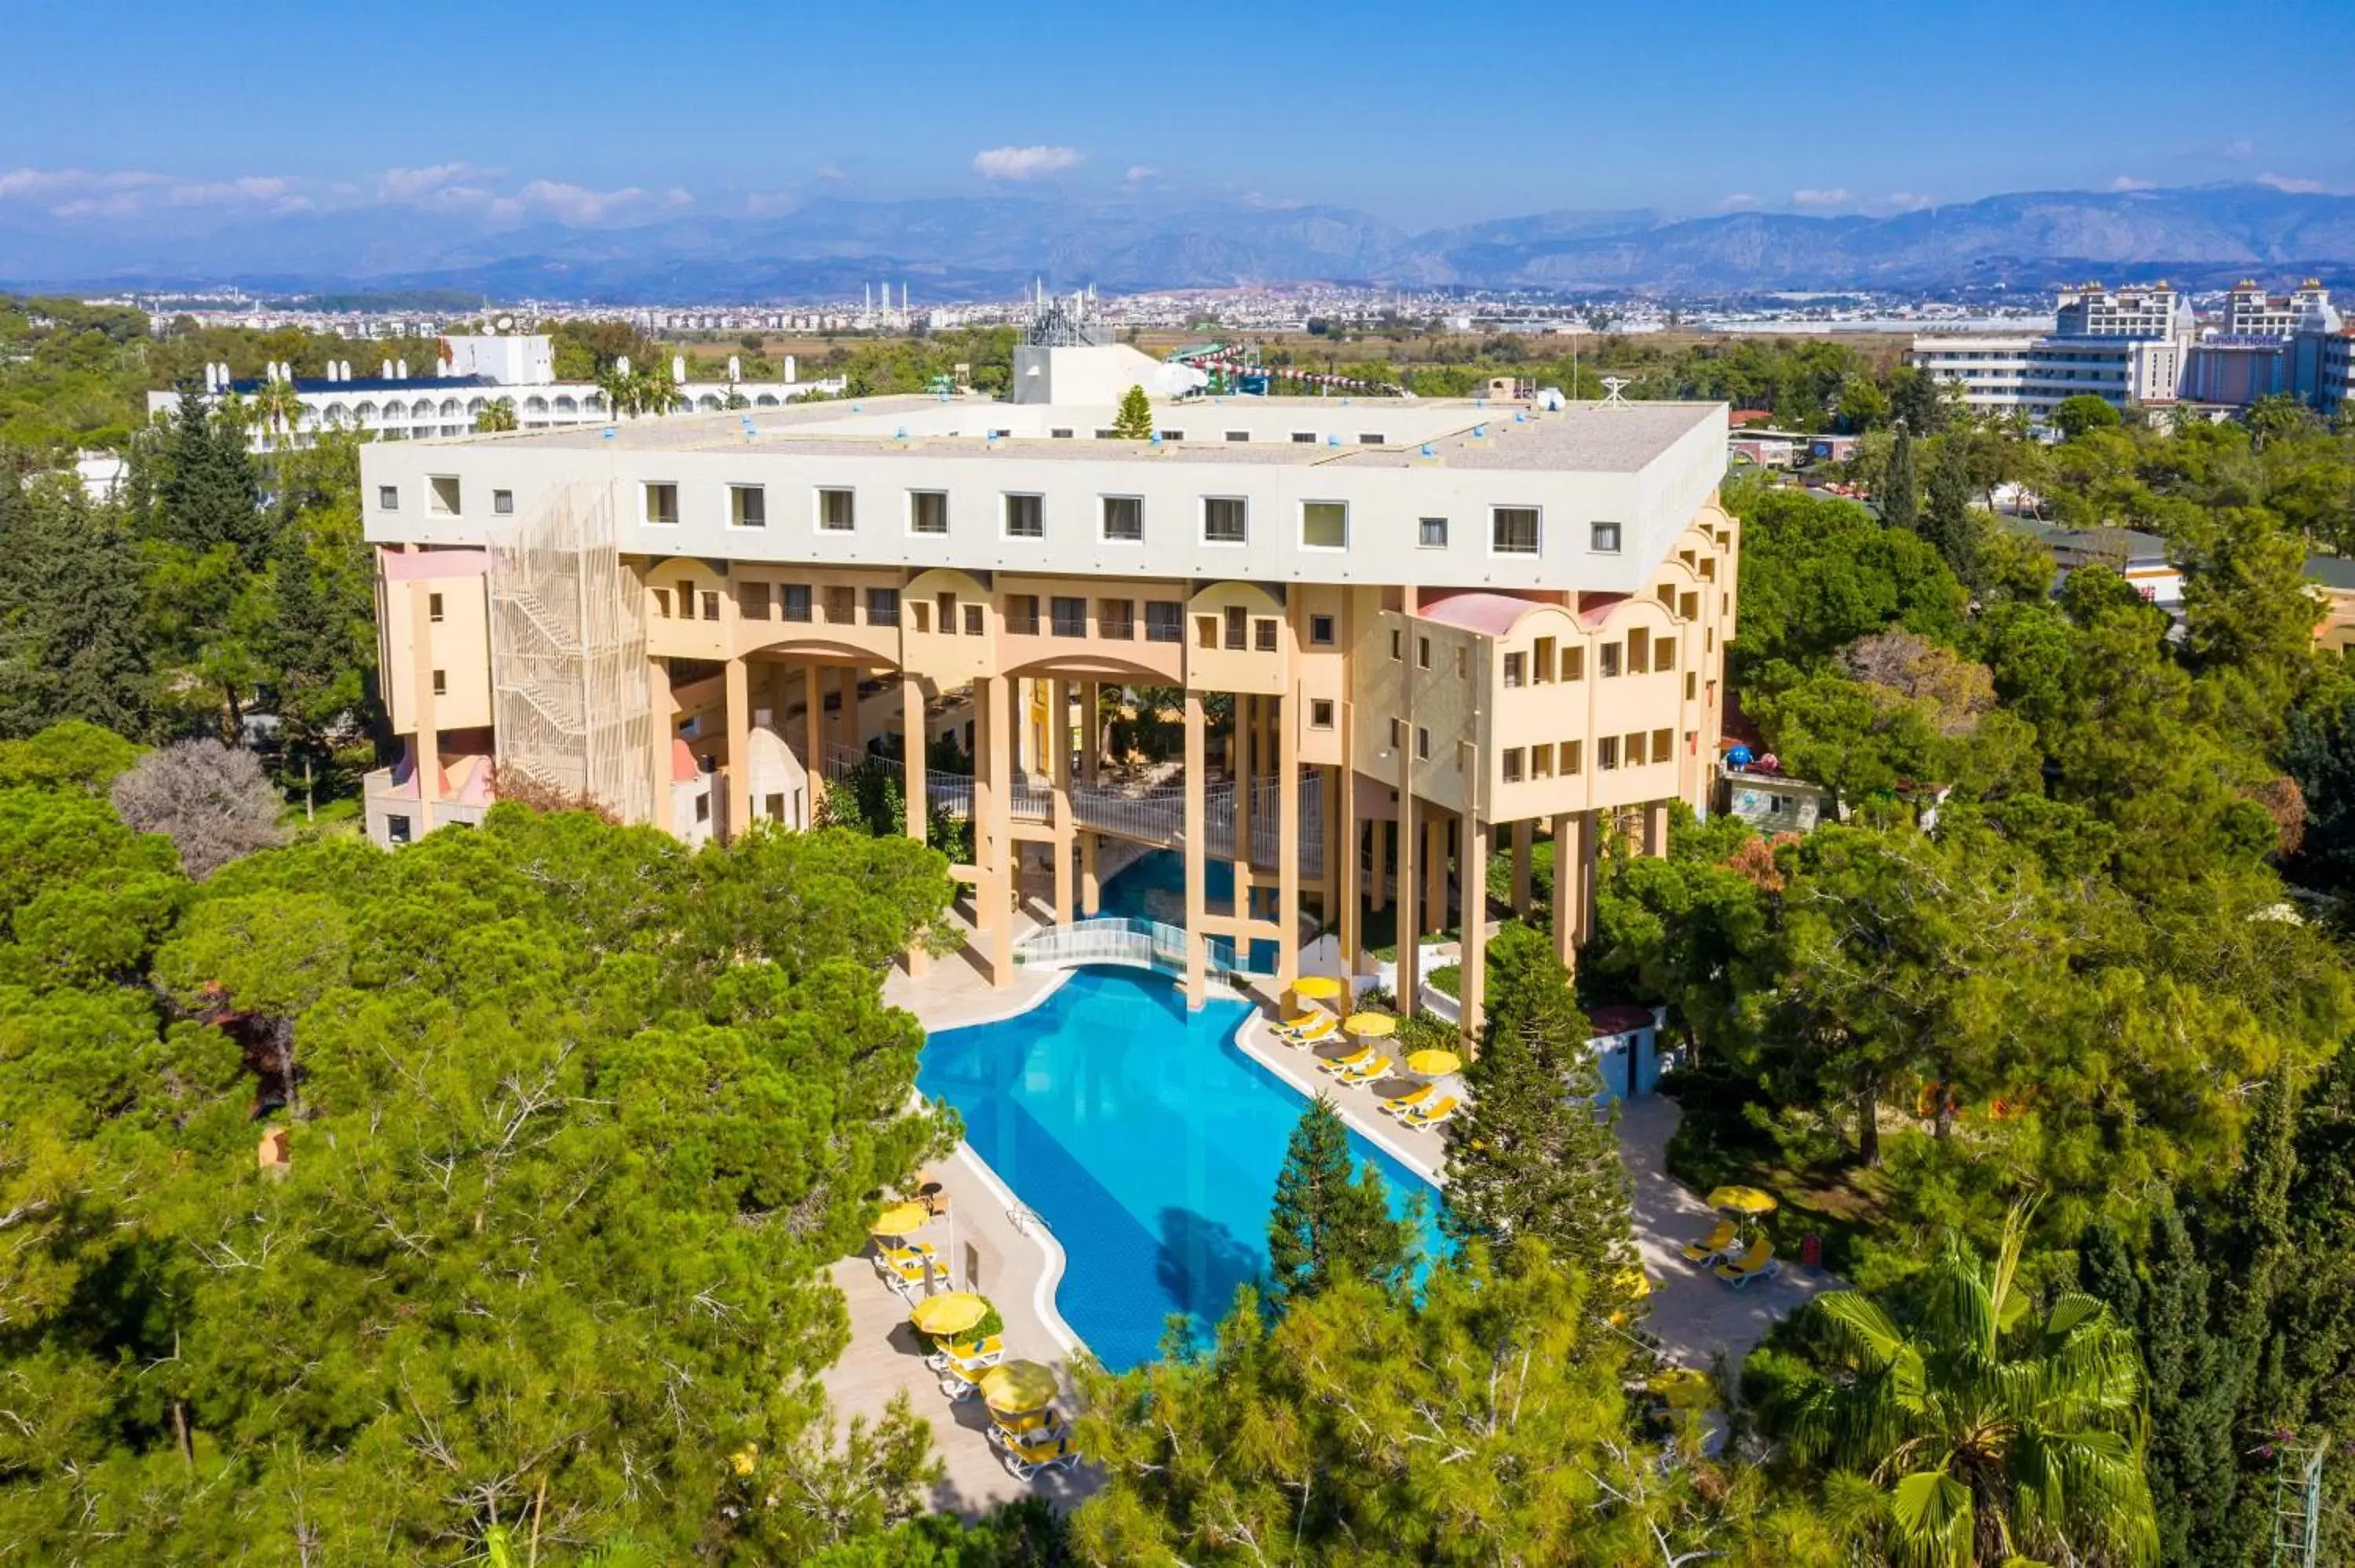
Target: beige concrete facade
x=1464, y=657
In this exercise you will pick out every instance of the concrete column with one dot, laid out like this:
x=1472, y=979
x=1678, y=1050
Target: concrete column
x=1091, y=890
x=1196, y=859
x=661, y=717
x=1655, y=829
x=814, y=733
x=425, y=739
x=1058, y=759
x=1523, y=831
x=1091, y=726
x=1344, y=843
x=992, y=789
x=912, y=785
x=1590, y=852
x=740, y=749
x=1286, y=722
x=1565, y=888
x=1474, y=968
x=854, y=734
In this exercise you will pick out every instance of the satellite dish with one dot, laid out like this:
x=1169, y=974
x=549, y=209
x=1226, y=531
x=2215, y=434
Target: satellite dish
x=505, y=324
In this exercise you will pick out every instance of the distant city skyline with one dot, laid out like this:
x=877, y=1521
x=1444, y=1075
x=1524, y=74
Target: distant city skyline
x=628, y=114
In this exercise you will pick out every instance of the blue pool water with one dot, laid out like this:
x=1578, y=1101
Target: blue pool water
x=1146, y=1139
x=1153, y=887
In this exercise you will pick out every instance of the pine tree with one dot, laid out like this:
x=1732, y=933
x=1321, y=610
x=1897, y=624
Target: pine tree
x=2188, y=1393
x=205, y=495
x=1328, y=1225
x=1530, y=1157
x=1900, y=496
x=2257, y=1252
x=72, y=645
x=1135, y=421
x=1949, y=523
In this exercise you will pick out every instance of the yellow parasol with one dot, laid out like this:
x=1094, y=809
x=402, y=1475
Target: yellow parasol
x=1011, y=1387
x=1742, y=1201
x=1433, y=1064
x=1317, y=988
x=951, y=1312
x=1371, y=1024
x=1682, y=1388
x=900, y=1219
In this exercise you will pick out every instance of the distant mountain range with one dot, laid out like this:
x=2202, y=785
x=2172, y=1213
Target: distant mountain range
x=993, y=246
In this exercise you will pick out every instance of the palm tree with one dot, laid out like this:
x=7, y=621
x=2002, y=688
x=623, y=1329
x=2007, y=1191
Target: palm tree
x=278, y=409
x=620, y=390
x=656, y=392
x=498, y=414
x=1990, y=1436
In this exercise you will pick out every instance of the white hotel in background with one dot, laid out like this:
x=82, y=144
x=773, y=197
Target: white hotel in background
x=2144, y=346
x=395, y=405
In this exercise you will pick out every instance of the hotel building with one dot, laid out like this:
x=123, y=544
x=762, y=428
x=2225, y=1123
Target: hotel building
x=1396, y=634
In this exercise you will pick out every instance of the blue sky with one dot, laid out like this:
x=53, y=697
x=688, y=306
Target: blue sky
x=1422, y=115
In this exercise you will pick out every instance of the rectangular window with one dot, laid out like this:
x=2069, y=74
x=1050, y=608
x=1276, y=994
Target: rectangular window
x=662, y=505
x=1237, y=628
x=1238, y=435
x=1663, y=653
x=1572, y=758
x=1165, y=620
x=662, y=603
x=1206, y=631
x=1422, y=653
x=1324, y=525
x=1513, y=530
x=797, y=601
x=1398, y=733
x=928, y=511
x=748, y=506
x=432, y=607
x=841, y=606
x=1606, y=754
x=1516, y=664
x=882, y=606
x=1026, y=516
x=1639, y=652
x=387, y=497
x=703, y=807
x=1541, y=666
x=1022, y=614
x=946, y=605
x=397, y=830
x=752, y=601
x=503, y=502
x=1320, y=631
x=1304, y=438
x=1070, y=616
x=710, y=604
x=920, y=615
x=838, y=511
x=1664, y=745
x=973, y=620
x=1463, y=663
x=442, y=495
x=1431, y=533
x=1603, y=538
x=1263, y=635
x=1226, y=520
x=1320, y=712
x=1610, y=659
x=1634, y=749
x=1117, y=619
x=1708, y=568
x=1514, y=758
x=1060, y=433
x=1123, y=519
x=1573, y=665
x=1398, y=645
x=1689, y=684
x=441, y=682
x=1422, y=743
x=1542, y=761
x=1370, y=438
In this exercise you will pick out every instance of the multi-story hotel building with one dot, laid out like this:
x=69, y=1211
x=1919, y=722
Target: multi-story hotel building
x=1401, y=632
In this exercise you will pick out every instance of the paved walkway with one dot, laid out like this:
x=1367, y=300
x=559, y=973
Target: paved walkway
x=1695, y=1316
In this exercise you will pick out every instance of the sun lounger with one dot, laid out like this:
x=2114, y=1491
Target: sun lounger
x=1367, y=1071
x=1321, y=1029
x=1304, y=1021
x=1027, y=1459
x=1432, y=1116
x=1760, y=1260
x=969, y=1356
x=1398, y=1105
x=1358, y=1057
x=1026, y=1428
x=1715, y=1246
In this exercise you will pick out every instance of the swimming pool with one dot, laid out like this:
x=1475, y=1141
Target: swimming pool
x=1148, y=1140
x=1153, y=887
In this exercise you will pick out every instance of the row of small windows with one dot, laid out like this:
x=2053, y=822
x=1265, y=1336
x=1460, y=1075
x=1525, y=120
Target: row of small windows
x=443, y=498
x=1225, y=519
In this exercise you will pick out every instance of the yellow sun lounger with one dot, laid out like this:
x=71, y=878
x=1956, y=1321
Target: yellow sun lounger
x=1398, y=1105
x=1027, y=1459
x=1366, y=1072
x=1713, y=1247
x=1322, y=1028
x=1432, y=1116
x=1759, y=1261
x=1356, y=1058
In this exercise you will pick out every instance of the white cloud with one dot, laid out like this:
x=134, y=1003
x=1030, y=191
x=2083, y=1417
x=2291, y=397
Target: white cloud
x=1836, y=196
x=1909, y=201
x=434, y=180
x=2128, y=183
x=2293, y=184
x=1738, y=200
x=1140, y=175
x=1023, y=163
x=831, y=175
x=2237, y=150
x=569, y=203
